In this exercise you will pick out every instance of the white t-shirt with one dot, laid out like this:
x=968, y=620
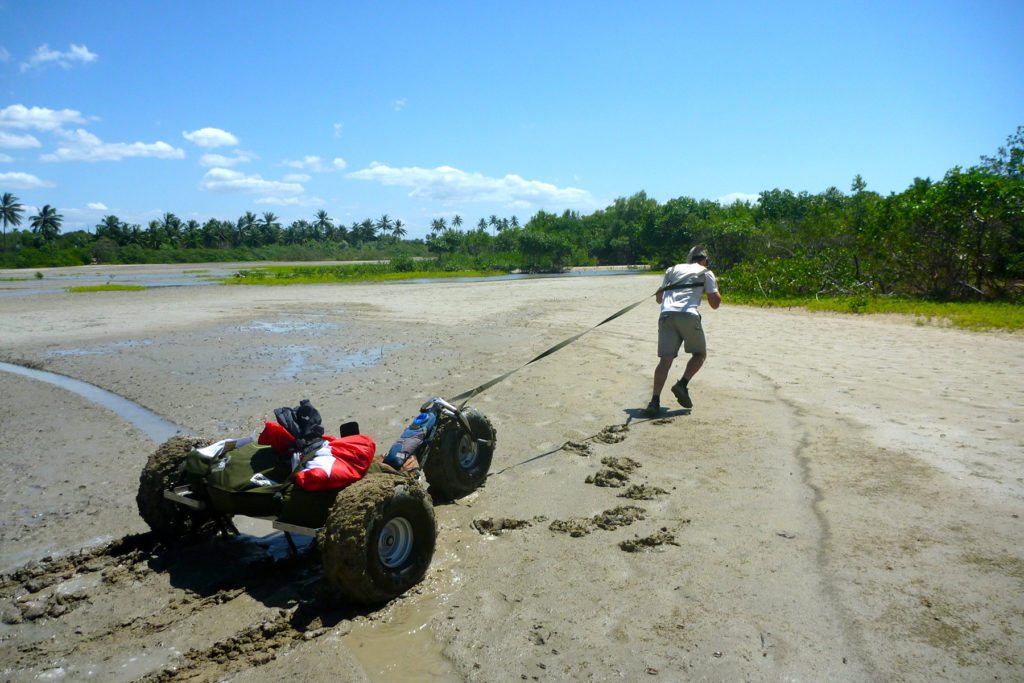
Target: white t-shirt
x=686, y=300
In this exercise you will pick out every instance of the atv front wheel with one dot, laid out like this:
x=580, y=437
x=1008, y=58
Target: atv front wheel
x=378, y=540
x=459, y=461
x=164, y=470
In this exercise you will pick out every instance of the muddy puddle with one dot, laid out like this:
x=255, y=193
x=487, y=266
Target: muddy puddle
x=157, y=428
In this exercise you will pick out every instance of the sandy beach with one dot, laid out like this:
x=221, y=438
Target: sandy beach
x=843, y=502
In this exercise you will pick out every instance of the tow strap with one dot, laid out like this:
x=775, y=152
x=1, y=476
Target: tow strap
x=467, y=395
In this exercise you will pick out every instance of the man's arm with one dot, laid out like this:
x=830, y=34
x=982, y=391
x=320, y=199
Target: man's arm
x=714, y=299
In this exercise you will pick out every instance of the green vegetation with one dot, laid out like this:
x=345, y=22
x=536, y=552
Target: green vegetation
x=396, y=269
x=973, y=316
x=957, y=239
x=105, y=288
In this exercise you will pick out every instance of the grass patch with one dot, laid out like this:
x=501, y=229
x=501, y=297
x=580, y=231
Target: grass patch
x=196, y=270
x=357, y=272
x=105, y=288
x=970, y=316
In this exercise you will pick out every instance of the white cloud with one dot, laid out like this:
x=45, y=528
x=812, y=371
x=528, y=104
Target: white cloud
x=400, y=103
x=337, y=129
x=315, y=164
x=210, y=137
x=5, y=56
x=226, y=180
x=291, y=201
x=38, y=118
x=23, y=181
x=298, y=177
x=733, y=197
x=44, y=57
x=237, y=157
x=81, y=145
x=6, y=159
x=12, y=141
x=97, y=206
x=448, y=184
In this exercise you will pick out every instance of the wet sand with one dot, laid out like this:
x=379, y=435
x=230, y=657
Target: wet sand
x=843, y=502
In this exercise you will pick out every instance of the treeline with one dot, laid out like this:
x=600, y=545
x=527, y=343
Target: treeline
x=958, y=238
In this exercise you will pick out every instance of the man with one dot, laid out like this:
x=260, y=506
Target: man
x=680, y=295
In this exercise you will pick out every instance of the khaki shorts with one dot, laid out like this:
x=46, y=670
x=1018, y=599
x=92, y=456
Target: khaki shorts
x=680, y=329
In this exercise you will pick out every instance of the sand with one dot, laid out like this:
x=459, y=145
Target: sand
x=842, y=503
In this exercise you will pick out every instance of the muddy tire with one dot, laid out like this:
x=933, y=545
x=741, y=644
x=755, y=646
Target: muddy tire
x=378, y=540
x=165, y=469
x=458, y=463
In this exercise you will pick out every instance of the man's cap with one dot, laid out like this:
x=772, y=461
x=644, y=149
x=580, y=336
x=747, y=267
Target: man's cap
x=697, y=253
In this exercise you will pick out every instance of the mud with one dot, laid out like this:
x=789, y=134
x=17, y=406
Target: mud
x=643, y=492
x=612, y=434
x=616, y=472
x=636, y=545
x=496, y=527
x=579, y=447
x=849, y=512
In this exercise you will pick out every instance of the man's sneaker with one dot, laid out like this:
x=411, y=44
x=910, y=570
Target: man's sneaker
x=653, y=408
x=682, y=395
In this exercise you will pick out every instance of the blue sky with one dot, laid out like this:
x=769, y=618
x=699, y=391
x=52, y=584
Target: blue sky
x=427, y=110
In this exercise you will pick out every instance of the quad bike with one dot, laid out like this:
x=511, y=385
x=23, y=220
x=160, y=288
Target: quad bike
x=376, y=535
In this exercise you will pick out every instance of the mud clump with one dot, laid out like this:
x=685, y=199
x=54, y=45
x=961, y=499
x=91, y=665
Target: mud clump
x=608, y=479
x=496, y=526
x=578, y=447
x=620, y=516
x=607, y=520
x=251, y=647
x=636, y=545
x=575, y=527
x=643, y=492
x=613, y=434
x=23, y=592
x=616, y=472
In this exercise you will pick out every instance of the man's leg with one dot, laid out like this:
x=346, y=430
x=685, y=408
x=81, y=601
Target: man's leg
x=681, y=389
x=661, y=374
x=660, y=377
x=693, y=365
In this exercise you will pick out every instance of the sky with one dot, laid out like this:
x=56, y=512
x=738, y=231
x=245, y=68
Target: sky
x=427, y=110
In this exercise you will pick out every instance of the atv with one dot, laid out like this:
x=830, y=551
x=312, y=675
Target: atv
x=375, y=535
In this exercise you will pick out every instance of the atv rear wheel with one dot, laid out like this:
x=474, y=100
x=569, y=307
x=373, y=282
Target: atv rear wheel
x=165, y=469
x=459, y=461
x=379, y=539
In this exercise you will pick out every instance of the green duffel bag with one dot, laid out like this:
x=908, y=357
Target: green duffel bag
x=246, y=481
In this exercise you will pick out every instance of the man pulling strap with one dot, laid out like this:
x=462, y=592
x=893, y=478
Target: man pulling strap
x=680, y=295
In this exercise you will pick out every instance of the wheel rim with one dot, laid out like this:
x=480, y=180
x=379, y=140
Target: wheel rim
x=467, y=452
x=394, y=544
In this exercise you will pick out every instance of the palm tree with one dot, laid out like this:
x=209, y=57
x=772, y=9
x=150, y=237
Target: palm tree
x=514, y=222
x=193, y=236
x=399, y=230
x=323, y=224
x=269, y=228
x=383, y=225
x=245, y=229
x=112, y=228
x=46, y=223
x=10, y=212
x=171, y=227
x=457, y=221
x=482, y=224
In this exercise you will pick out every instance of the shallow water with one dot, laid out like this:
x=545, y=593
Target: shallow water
x=59, y=283
x=152, y=425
